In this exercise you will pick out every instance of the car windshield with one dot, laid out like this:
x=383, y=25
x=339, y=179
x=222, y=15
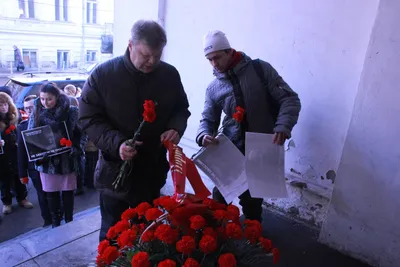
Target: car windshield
x=16, y=88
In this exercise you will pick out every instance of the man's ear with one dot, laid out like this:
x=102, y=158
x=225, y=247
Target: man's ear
x=130, y=45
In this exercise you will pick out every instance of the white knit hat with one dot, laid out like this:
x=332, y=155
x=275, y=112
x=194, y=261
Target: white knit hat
x=215, y=41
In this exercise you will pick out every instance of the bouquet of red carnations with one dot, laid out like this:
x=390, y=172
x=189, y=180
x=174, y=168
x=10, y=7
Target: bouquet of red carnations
x=185, y=232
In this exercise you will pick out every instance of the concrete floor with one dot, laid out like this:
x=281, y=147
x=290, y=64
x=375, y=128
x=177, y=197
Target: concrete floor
x=23, y=220
x=299, y=246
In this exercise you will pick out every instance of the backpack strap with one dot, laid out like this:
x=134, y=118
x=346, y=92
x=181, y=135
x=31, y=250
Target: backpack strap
x=272, y=105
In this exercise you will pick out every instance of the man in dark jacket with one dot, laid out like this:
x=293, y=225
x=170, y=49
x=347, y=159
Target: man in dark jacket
x=27, y=169
x=111, y=109
x=270, y=105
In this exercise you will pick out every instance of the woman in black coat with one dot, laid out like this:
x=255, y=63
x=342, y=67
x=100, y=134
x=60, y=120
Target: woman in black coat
x=8, y=159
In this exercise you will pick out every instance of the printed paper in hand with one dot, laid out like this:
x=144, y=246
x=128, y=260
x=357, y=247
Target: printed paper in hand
x=223, y=163
x=265, y=166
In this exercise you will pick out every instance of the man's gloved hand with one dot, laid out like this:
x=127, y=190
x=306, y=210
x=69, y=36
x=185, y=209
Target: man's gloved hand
x=208, y=140
x=127, y=151
x=279, y=138
x=2, y=142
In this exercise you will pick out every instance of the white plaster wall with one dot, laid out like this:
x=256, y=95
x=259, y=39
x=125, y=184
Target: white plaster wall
x=317, y=46
x=363, y=218
x=126, y=13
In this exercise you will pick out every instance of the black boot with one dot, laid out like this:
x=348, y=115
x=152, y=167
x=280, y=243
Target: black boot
x=68, y=201
x=251, y=207
x=53, y=199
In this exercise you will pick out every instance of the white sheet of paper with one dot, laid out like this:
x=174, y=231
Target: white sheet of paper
x=265, y=166
x=223, y=163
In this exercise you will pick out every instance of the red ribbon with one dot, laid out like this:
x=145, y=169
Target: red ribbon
x=182, y=167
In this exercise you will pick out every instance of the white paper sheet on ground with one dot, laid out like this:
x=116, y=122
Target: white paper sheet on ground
x=265, y=166
x=223, y=163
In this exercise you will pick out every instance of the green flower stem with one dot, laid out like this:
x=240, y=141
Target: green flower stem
x=126, y=167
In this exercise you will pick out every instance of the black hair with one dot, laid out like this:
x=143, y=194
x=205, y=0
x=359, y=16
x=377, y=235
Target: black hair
x=50, y=88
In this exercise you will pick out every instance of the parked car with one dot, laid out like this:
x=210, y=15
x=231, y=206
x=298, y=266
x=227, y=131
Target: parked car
x=29, y=83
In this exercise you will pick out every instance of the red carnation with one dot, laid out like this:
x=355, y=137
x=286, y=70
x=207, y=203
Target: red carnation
x=234, y=231
x=186, y=245
x=227, y=260
x=128, y=214
x=148, y=236
x=233, y=212
x=142, y=208
x=214, y=205
x=167, y=263
x=220, y=215
x=65, y=142
x=122, y=226
x=10, y=129
x=149, y=113
x=112, y=233
x=208, y=244
x=253, y=232
x=266, y=244
x=165, y=202
x=102, y=246
x=141, y=259
x=110, y=254
x=127, y=238
x=191, y=263
x=210, y=231
x=166, y=234
x=239, y=114
x=152, y=214
x=197, y=222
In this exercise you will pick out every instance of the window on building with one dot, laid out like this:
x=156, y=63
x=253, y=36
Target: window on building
x=91, y=55
x=91, y=11
x=61, y=10
x=62, y=59
x=26, y=9
x=29, y=57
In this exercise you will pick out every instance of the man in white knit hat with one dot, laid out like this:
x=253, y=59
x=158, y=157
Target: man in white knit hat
x=269, y=104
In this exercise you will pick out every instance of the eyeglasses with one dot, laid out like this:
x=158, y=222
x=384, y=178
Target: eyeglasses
x=28, y=108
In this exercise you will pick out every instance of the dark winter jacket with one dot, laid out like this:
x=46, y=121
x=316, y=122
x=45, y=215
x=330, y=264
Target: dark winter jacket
x=220, y=98
x=63, y=112
x=23, y=163
x=7, y=122
x=111, y=108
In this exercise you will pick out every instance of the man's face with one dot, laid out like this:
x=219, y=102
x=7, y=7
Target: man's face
x=28, y=107
x=144, y=58
x=220, y=60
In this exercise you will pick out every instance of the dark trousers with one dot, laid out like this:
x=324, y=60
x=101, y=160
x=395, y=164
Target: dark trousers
x=54, y=202
x=9, y=180
x=81, y=172
x=41, y=195
x=251, y=207
x=111, y=208
x=90, y=165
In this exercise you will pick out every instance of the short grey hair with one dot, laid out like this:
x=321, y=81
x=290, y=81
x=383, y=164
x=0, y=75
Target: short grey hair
x=149, y=32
